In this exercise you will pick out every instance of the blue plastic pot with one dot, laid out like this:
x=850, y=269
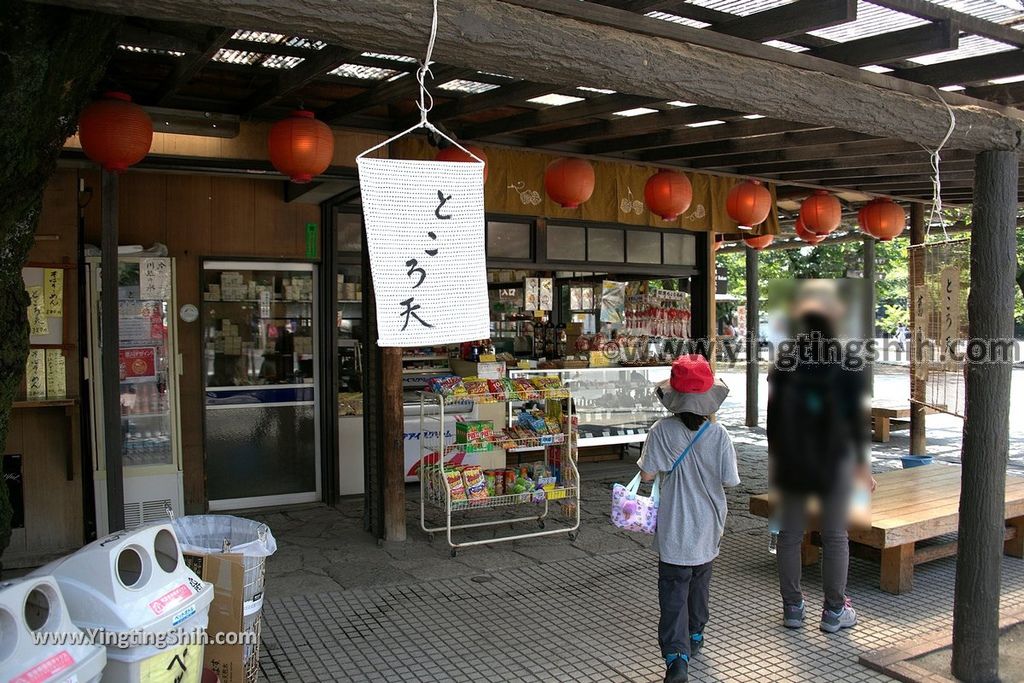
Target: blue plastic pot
x=916, y=460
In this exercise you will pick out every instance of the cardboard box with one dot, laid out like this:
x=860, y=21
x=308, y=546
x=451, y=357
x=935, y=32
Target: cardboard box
x=475, y=435
x=464, y=368
x=227, y=574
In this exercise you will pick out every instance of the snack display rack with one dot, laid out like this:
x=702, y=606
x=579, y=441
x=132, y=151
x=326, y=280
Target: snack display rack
x=436, y=489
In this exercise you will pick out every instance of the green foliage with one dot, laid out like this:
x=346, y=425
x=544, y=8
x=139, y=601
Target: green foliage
x=50, y=62
x=893, y=317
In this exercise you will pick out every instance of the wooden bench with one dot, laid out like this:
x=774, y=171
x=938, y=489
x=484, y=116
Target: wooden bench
x=908, y=508
x=886, y=418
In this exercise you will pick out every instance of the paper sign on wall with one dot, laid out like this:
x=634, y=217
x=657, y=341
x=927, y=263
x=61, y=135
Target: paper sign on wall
x=531, y=287
x=56, y=374
x=922, y=310
x=949, y=307
x=36, y=312
x=613, y=301
x=53, y=292
x=35, y=374
x=155, y=278
x=425, y=234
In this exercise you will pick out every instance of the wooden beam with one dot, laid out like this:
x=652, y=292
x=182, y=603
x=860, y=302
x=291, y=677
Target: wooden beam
x=747, y=163
x=316, y=64
x=595, y=106
x=672, y=118
x=570, y=44
x=1010, y=94
x=753, y=292
x=986, y=431
x=761, y=143
x=404, y=87
x=893, y=46
x=922, y=9
x=918, y=440
x=393, y=460
x=492, y=99
x=113, y=457
x=689, y=136
x=790, y=20
x=877, y=166
x=969, y=70
x=191, y=64
x=143, y=36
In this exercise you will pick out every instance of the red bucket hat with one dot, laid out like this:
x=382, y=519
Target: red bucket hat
x=692, y=387
x=692, y=374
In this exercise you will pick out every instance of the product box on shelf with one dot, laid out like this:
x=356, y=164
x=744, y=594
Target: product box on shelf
x=465, y=368
x=475, y=435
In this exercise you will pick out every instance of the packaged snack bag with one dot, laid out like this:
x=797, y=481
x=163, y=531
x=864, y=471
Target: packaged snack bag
x=475, y=483
x=454, y=478
x=497, y=390
x=510, y=389
x=525, y=389
x=478, y=389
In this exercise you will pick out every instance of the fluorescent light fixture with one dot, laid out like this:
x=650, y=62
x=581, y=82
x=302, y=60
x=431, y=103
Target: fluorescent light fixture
x=875, y=68
x=555, y=100
x=1009, y=79
x=639, y=111
x=753, y=117
x=952, y=88
x=462, y=85
x=603, y=91
x=677, y=103
x=394, y=58
x=702, y=124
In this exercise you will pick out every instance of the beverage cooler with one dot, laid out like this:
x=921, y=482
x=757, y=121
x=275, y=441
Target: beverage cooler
x=149, y=366
x=261, y=406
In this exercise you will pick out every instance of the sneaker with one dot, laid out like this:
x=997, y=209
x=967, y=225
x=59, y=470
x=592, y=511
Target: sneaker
x=696, y=643
x=793, y=615
x=831, y=621
x=677, y=670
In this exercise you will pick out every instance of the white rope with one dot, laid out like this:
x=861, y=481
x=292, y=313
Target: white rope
x=936, y=209
x=425, y=101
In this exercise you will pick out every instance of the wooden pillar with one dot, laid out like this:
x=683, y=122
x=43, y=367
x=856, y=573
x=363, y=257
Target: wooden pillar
x=918, y=443
x=753, y=320
x=986, y=424
x=869, y=306
x=394, y=449
x=710, y=307
x=109, y=366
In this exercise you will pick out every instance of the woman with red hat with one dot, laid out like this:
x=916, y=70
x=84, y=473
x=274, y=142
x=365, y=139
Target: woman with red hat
x=695, y=461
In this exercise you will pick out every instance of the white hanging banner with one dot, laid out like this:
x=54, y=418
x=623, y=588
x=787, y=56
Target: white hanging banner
x=425, y=234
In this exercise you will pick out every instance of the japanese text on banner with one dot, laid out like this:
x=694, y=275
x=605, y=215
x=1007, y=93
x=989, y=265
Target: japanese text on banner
x=425, y=234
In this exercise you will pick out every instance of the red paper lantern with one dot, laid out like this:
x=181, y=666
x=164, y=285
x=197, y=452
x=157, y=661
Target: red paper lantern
x=668, y=194
x=758, y=242
x=569, y=181
x=806, y=235
x=453, y=153
x=749, y=203
x=882, y=218
x=821, y=212
x=300, y=146
x=115, y=132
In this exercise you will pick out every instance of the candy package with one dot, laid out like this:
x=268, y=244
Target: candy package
x=447, y=385
x=510, y=389
x=496, y=389
x=478, y=389
x=525, y=389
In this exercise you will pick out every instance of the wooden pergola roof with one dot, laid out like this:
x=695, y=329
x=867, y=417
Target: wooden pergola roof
x=972, y=51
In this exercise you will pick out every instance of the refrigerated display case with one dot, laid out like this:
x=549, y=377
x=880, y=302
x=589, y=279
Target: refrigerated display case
x=614, y=405
x=259, y=326
x=149, y=363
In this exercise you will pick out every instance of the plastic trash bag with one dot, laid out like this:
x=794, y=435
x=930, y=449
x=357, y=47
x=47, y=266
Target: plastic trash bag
x=224, y=533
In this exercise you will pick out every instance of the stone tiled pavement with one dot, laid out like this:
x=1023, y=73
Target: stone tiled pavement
x=342, y=608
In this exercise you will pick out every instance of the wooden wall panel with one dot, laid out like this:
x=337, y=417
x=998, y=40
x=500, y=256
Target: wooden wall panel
x=274, y=227
x=57, y=233
x=142, y=208
x=232, y=216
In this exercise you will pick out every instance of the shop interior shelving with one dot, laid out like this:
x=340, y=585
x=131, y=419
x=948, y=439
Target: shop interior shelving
x=435, y=490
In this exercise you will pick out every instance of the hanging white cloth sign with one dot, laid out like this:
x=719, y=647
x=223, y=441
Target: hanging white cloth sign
x=425, y=234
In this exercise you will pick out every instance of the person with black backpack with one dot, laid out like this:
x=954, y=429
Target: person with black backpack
x=817, y=447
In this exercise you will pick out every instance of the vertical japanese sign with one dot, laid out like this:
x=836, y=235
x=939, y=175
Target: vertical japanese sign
x=155, y=279
x=35, y=374
x=53, y=292
x=949, y=307
x=37, y=312
x=919, y=343
x=425, y=234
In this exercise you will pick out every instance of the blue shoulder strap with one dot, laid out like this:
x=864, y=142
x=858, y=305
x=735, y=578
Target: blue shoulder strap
x=696, y=437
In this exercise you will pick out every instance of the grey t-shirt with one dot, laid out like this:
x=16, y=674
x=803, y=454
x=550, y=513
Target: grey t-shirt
x=691, y=515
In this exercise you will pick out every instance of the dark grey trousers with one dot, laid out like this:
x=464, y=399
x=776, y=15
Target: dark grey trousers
x=834, y=540
x=683, y=597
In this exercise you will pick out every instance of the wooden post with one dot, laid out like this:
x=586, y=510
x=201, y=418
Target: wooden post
x=898, y=569
x=987, y=421
x=110, y=343
x=393, y=455
x=711, y=307
x=918, y=443
x=869, y=306
x=753, y=320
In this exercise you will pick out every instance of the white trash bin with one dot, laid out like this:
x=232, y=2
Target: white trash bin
x=133, y=583
x=34, y=607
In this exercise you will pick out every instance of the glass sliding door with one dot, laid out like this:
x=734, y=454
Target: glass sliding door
x=260, y=377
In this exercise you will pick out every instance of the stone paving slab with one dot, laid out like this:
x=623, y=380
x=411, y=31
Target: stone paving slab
x=594, y=618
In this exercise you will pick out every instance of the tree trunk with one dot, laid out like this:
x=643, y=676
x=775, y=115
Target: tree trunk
x=986, y=439
x=49, y=64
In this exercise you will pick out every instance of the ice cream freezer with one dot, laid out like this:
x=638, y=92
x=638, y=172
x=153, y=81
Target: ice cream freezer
x=351, y=463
